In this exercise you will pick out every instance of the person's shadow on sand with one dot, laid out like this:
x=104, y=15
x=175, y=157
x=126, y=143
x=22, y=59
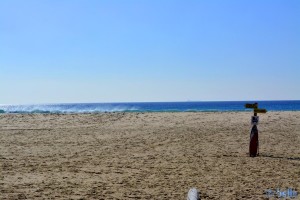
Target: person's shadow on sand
x=278, y=157
x=266, y=156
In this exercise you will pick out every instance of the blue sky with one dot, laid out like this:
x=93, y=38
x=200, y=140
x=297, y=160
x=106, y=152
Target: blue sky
x=55, y=51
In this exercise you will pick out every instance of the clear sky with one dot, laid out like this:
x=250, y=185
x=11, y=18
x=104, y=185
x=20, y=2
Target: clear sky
x=59, y=51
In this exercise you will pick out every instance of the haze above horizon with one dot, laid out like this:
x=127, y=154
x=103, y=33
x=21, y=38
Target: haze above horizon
x=76, y=51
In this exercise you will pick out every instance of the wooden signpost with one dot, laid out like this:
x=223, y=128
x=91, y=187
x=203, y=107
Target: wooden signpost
x=254, y=143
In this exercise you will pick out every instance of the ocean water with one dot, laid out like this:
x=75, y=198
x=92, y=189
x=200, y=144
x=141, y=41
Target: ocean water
x=213, y=106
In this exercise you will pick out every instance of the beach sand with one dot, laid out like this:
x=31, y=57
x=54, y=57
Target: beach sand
x=146, y=155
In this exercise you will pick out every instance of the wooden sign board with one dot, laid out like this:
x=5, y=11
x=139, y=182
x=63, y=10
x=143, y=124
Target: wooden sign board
x=254, y=106
x=256, y=110
x=249, y=105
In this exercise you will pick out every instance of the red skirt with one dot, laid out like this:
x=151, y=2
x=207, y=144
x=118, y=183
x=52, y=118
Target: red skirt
x=253, y=147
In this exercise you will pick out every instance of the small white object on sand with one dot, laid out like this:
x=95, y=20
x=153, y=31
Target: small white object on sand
x=193, y=194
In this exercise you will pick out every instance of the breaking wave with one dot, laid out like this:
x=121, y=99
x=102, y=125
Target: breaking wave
x=67, y=108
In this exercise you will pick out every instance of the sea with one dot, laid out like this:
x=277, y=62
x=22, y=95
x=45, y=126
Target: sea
x=189, y=106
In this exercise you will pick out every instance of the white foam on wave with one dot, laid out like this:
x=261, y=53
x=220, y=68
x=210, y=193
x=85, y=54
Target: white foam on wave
x=67, y=108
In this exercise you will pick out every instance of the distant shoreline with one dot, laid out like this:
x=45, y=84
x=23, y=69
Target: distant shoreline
x=152, y=112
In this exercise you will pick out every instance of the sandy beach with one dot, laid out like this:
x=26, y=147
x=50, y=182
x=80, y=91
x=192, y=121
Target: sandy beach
x=146, y=155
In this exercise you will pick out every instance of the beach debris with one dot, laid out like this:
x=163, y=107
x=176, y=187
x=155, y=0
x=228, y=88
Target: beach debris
x=254, y=142
x=193, y=194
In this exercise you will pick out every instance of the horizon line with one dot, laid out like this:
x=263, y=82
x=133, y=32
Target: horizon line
x=116, y=102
